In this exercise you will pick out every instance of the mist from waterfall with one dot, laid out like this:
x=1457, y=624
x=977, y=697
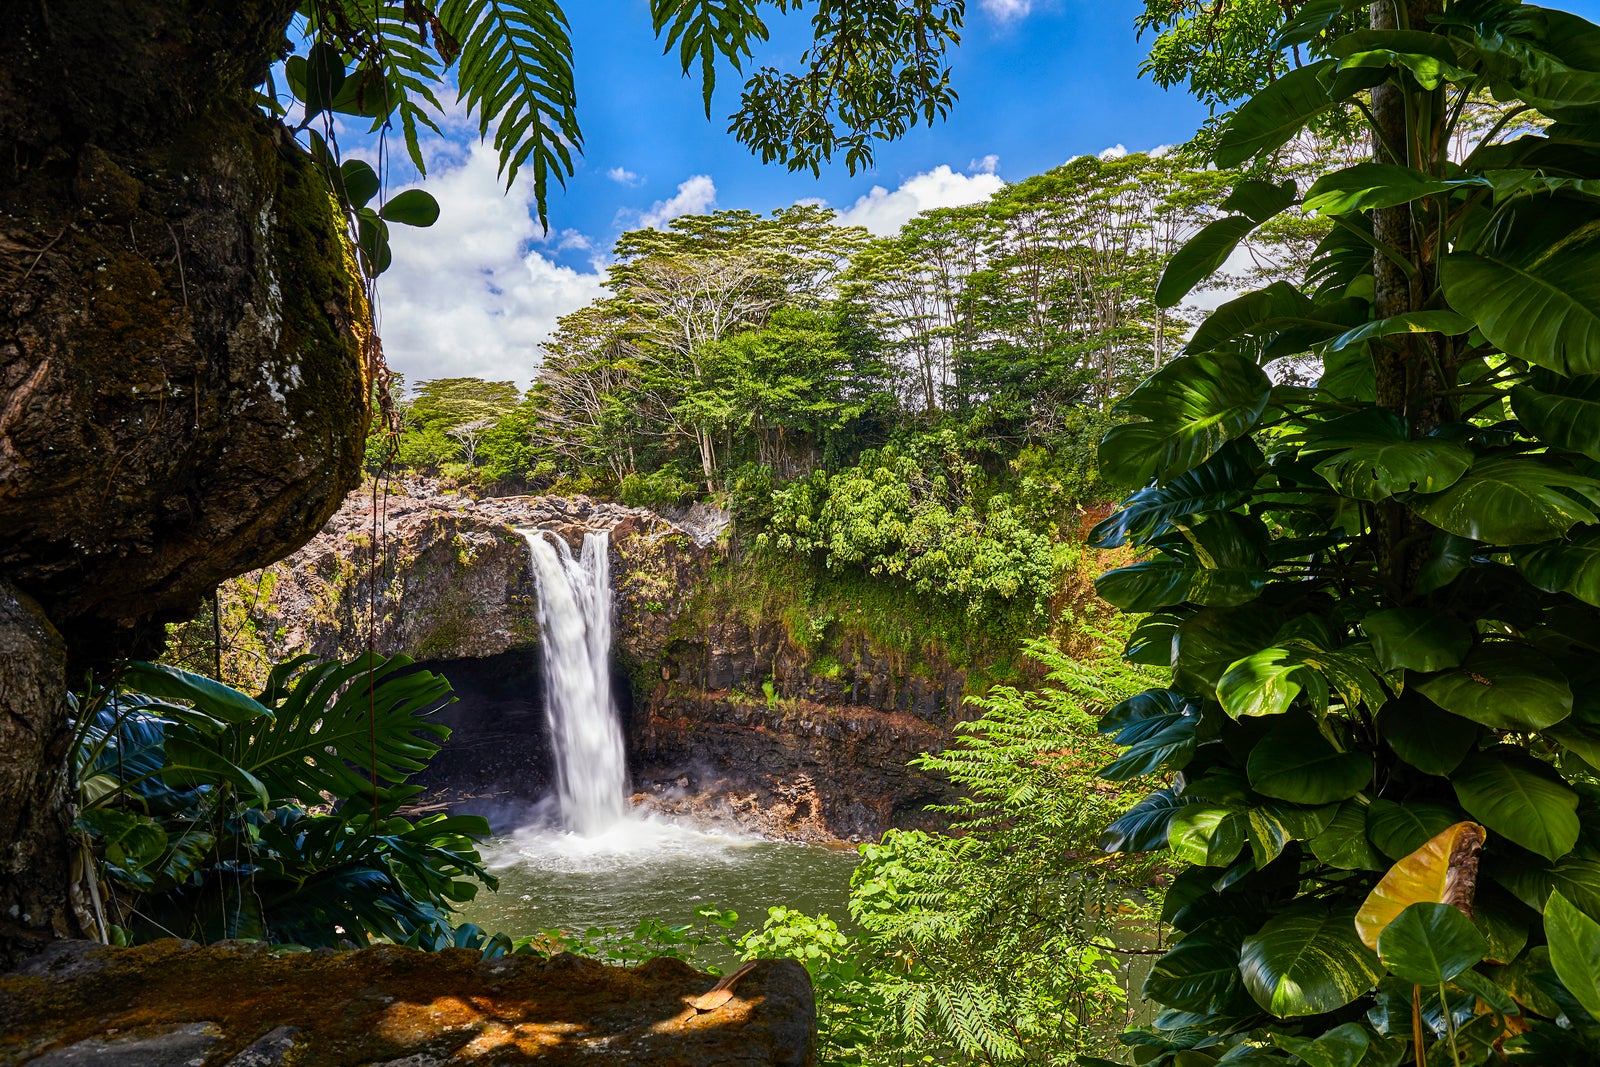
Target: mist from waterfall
x=575, y=629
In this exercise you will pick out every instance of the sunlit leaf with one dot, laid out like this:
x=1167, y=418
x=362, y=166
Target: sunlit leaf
x=1444, y=869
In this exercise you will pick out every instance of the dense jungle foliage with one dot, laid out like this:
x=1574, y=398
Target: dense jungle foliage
x=1358, y=549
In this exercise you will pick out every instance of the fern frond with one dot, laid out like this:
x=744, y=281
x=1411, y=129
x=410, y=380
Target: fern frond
x=515, y=72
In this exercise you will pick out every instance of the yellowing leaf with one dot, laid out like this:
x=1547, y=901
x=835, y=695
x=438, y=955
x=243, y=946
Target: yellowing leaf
x=1442, y=871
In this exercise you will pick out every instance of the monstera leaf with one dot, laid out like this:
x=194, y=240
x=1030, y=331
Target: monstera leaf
x=1535, y=293
x=1513, y=500
x=1307, y=961
x=1193, y=407
x=1374, y=456
x=1219, y=561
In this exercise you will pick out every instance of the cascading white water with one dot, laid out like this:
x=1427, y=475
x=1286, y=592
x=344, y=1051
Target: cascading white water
x=575, y=625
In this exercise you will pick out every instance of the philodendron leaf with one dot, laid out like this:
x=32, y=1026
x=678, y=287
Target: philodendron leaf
x=1503, y=685
x=1343, y=843
x=1345, y=1045
x=1571, y=566
x=1260, y=200
x=1207, y=835
x=1373, y=456
x=1143, y=828
x=1443, y=870
x=1427, y=944
x=1519, y=798
x=1200, y=973
x=1446, y=322
x=1295, y=762
x=1200, y=257
x=1192, y=407
x=1574, y=951
x=1535, y=292
x=1401, y=829
x=1425, y=735
x=1267, y=683
x=1366, y=186
x=1417, y=639
x=1270, y=118
x=1307, y=961
x=1513, y=500
x=1218, y=484
x=1222, y=565
x=1565, y=413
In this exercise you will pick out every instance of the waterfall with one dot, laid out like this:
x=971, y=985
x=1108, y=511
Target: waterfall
x=575, y=625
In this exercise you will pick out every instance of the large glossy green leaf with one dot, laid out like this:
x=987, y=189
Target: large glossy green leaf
x=1519, y=797
x=1446, y=322
x=1200, y=257
x=1307, y=961
x=1565, y=414
x=1144, y=827
x=221, y=702
x=1571, y=566
x=1172, y=746
x=1374, y=456
x=1218, y=484
x=1193, y=406
x=1270, y=118
x=1401, y=829
x=1268, y=683
x=1252, y=314
x=1513, y=500
x=1344, y=844
x=1504, y=685
x=1200, y=974
x=1346, y=1045
x=1574, y=951
x=1295, y=762
x=1366, y=186
x=1535, y=292
x=1260, y=200
x=1207, y=835
x=1417, y=639
x=1425, y=735
x=1221, y=564
x=1430, y=943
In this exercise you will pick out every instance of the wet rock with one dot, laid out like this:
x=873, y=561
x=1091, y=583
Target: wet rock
x=245, y=1006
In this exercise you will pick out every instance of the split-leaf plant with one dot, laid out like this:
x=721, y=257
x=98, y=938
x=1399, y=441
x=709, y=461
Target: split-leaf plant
x=1377, y=594
x=215, y=814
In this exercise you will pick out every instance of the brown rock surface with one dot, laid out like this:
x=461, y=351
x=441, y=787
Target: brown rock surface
x=246, y=1006
x=181, y=329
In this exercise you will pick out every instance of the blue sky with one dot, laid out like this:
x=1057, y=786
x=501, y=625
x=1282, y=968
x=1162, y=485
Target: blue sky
x=1040, y=82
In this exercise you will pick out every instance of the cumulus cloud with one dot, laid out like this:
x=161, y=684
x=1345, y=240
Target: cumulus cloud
x=989, y=164
x=473, y=295
x=883, y=212
x=1007, y=10
x=694, y=197
x=624, y=176
x=1116, y=151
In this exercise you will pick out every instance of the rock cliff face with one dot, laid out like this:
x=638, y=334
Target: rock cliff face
x=238, y=1005
x=182, y=363
x=726, y=720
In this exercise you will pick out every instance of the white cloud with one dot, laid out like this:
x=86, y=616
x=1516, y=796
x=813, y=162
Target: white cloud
x=1116, y=151
x=989, y=164
x=694, y=197
x=1007, y=10
x=472, y=295
x=624, y=176
x=883, y=212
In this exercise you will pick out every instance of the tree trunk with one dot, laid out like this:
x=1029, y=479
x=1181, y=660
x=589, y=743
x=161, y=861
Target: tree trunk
x=1407, y=367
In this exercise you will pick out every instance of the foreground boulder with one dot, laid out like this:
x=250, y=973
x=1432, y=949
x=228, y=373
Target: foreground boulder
x=245, y=1005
